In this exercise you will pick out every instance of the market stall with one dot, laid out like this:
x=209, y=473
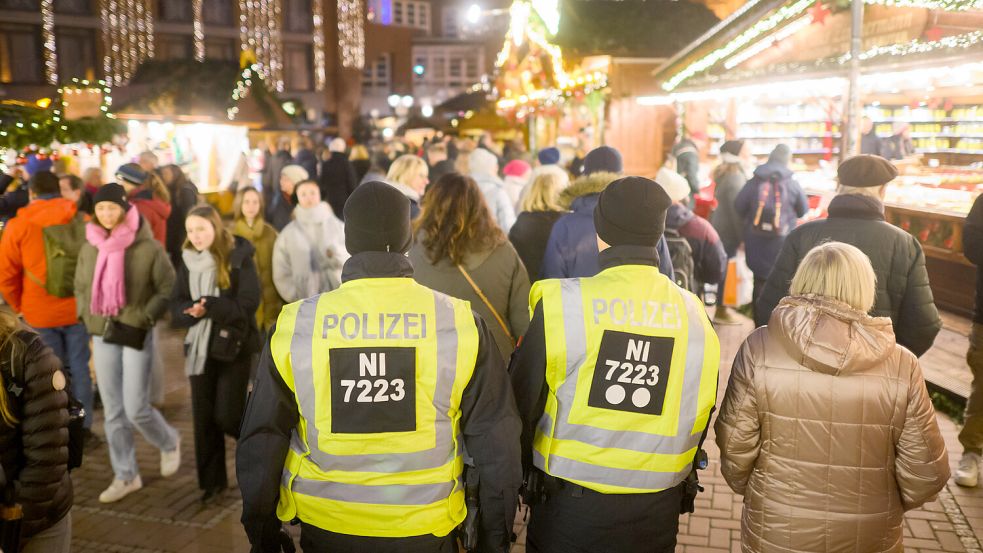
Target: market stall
x=776, y=72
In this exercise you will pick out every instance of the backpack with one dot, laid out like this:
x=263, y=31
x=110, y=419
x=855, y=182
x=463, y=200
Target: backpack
x=681, y=254
x=61, y=252
x=768, y=216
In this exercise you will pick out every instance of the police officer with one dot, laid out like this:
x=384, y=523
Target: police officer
x=615, y=382
x=364, y=400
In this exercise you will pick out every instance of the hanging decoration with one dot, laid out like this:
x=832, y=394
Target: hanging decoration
x=260, y=28
x=918, y=47
x=23, y=125
x=351, y=34
x=772, y=40
x=48, y=41
x=199, y=29
x=819, y=13
x=128, y=29
x=320, y=75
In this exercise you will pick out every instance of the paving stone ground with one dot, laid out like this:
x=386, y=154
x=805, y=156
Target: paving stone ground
x=166, y=516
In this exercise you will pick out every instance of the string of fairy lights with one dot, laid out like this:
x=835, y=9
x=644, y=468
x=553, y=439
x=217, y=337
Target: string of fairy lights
x=351, y=34
x=260, y=29
x=128, y=37
x=320, y=75
x=197, y=7
x=48, y=40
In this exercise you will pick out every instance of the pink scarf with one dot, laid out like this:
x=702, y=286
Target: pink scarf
x=108, y=288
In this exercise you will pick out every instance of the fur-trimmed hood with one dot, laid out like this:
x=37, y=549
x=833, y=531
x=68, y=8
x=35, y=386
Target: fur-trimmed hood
x=585, y=186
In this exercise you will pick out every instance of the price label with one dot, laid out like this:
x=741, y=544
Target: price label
x=373, y=390
x=632, y=373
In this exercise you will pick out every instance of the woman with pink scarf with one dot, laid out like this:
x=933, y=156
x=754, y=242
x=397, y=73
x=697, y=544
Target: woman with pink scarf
x=123, y=284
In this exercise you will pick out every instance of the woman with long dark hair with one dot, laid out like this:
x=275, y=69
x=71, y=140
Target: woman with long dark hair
x=461, y=251
x=184, y=196
x=215, y=297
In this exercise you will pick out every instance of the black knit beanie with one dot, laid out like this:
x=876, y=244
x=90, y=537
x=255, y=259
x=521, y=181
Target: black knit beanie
x=631, y=211
x=603, y=159
x=377, y=219
x=111, y=192
x=732, y=147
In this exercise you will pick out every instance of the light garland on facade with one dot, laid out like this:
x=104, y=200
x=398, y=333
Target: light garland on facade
x=320, y=75
x=199, y=29
x=917, y=47
x=48, y=39
x=351, y=34
x=768, y=42
x=941, y=5
x=128, y=29
x=260, y=24
x=242, y=88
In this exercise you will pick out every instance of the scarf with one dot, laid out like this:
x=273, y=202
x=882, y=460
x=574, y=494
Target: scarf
x=251, y=233
x=316, y=224
x=201, y=282
x=108, y=282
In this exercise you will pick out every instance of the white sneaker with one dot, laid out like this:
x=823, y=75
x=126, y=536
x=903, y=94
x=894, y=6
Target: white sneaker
x=968, y=473
x=170, y=461
x=120, y=489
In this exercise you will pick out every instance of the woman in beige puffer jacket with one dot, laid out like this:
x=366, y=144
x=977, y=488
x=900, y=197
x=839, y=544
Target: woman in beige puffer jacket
x=826, y=427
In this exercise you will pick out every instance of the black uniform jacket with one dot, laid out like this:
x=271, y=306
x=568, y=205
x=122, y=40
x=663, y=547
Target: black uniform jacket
x=489, y=423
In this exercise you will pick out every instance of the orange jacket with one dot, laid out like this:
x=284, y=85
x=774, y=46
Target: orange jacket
x=22, y=250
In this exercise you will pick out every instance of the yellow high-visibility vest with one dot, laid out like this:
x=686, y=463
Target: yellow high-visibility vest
x=378, y=367
x=631, y=366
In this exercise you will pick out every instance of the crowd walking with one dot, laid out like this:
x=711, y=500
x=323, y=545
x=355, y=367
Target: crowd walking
x=405, y=347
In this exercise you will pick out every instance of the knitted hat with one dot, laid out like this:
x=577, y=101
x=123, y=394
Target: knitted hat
x=631, y=211
x=294, y=173
x=675, y=185
x=516, y=168
x=377, y=219
x=483, y=163
x=111, y=192
x=132, y=173
x=338, y=145
x=732, y=147
x=603, y=159
x=865, y=171
x=549, y=156
x=781, y=154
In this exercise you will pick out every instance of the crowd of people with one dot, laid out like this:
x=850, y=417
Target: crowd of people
x=519, y=281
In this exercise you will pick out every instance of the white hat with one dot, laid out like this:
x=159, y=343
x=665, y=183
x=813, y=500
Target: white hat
x=675, y=185
x=338, y=145
x=294, y=173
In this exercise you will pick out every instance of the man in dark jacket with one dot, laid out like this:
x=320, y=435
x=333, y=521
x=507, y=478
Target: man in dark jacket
x=870, y=143
x=488, y=426
x=306, y=158
x=276, y=157
x=856, y=216
x=571, y=251
x=438, y=161
x=687, y=154
x=280, y=213
x=337, y=180
x=709, y=257
x=971, y=436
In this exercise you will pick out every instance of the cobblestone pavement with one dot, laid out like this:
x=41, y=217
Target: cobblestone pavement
x=166, y=516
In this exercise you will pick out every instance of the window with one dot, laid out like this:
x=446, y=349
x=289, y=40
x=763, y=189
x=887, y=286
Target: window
x=451, y=20
x=218, y=12
x=222, y=49
x=20, y=54
x=298, y=67
x=176, y=11
x=298, y=15
x=376, y=73
x=411, y=13
x=19, y=5
x=76, y=53
x=174, y=47
x=74, y=7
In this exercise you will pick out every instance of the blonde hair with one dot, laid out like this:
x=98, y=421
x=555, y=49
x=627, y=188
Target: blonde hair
x=237, y=204
x=405, y=168
x=359, y=152
x=869, y=191
x=8, y=326
x=838, y=271
x=544, y=191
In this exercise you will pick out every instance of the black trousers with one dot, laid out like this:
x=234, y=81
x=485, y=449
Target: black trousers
x=218, y=399
x=575, y=520
x=316, y=540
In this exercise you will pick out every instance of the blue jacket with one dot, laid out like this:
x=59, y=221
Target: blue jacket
x=761, y=249
x=571, y=251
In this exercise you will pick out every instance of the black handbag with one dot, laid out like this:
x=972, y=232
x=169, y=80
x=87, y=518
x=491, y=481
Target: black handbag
x=122, y=334
x=225, y=343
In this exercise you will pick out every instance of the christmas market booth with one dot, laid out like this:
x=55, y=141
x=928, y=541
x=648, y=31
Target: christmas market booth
x=777, y=71
x=207, y=117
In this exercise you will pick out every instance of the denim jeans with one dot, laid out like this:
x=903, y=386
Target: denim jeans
x=124, y=383
x=71, y=345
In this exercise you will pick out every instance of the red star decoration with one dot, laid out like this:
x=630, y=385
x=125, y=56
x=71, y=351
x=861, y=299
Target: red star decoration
x=819, y=13
x=933, y=33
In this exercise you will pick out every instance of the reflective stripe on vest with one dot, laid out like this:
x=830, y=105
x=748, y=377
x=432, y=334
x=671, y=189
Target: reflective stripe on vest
x=632, y=454
x=379, y=482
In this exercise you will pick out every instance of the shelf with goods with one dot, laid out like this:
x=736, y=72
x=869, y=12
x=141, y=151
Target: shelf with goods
x=950, y=129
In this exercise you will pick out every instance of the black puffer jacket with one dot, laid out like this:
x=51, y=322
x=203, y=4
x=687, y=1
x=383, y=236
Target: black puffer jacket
x=903, y=293
x=35, y=454
x=234, y=306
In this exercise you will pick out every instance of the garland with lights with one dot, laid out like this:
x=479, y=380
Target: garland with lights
x=351, y=33
x=25, y=125
x=199, y=28
x=244, y=86
x=320, y=74
x=128, y=37
x=48, y=41
x=260, y=30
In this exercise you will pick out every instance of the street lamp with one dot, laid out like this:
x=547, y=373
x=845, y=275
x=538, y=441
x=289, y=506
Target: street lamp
x=427, y=110
x=407, y=101
x=473, y=14
x=393, y=100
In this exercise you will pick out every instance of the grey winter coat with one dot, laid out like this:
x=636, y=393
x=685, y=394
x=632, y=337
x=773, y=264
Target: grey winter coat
x=725, y=219
x=500, y=275
x=903, y=293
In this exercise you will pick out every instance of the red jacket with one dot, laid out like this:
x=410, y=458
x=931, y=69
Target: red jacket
x=154, y=211
x=22, y=250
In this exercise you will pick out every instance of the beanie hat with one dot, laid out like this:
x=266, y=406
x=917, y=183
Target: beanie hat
x=377, y=219
x=36, y=164
x=603, y=159
x=631, y=211
x=781, y=154
x=732, y=147
x=549, y=156
x=516, y=168
x=865, y=171
x=675, y=185
x=483, y=163
x=338, y=145
x=294, y=173
x=111, y=192
x=132, y=173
